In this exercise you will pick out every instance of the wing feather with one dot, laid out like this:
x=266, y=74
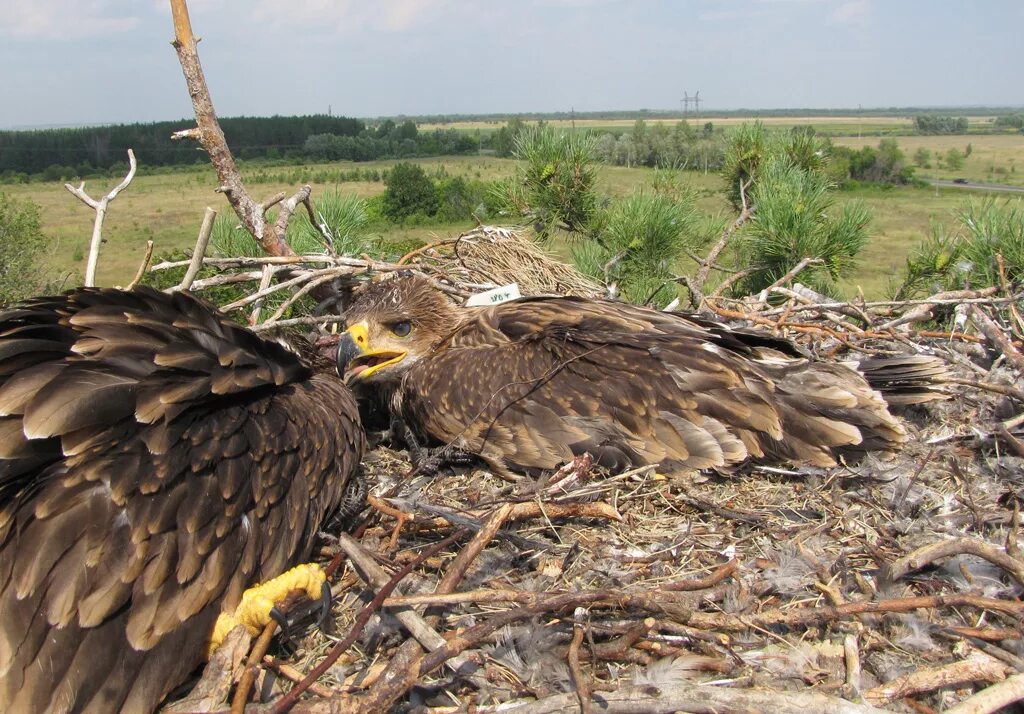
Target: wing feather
x=532, y=382
x=148, y=475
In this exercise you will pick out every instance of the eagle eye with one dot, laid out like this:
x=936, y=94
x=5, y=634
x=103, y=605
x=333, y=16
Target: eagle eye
x=402, y=329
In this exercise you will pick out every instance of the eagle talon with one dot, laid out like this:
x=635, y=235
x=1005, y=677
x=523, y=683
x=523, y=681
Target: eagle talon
x=429, y=462
x=326, y=600
x=258, y=604
x=286, y=630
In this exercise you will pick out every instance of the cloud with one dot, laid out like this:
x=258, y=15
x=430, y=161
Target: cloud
x=851, y=12
x=67, y=19
x=352, y=16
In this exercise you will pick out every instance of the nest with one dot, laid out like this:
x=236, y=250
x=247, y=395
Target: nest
x=499, y=256
x=884, y=585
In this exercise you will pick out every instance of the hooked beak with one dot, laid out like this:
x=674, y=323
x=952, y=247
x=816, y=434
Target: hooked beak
x=355, y=358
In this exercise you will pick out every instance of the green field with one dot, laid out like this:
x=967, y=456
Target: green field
x=864, y=126
x=167, y=207
x=997, y=158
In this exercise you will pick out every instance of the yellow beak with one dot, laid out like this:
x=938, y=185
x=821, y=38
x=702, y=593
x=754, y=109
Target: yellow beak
x=356, y=360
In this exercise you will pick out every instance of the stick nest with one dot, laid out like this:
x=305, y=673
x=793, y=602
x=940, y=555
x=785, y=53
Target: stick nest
x=889, y=584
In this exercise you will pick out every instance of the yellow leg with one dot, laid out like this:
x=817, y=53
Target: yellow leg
x=254, y=610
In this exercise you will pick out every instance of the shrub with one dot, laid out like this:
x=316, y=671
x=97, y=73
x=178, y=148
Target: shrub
x=21, y=242
x=343, y=218
x=794, y=220
x=554, y=183
x=638, y=245
x=409, y=191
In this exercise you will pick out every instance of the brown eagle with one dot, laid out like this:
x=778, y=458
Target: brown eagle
x=528, y=384
x=156, y=460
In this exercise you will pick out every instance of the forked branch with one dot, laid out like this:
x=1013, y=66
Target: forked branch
x=100, y=207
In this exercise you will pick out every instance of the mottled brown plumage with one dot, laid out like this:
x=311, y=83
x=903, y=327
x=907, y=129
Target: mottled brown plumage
x=529, y=384
x=155, y=461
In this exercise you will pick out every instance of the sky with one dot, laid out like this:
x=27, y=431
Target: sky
x=68, y=62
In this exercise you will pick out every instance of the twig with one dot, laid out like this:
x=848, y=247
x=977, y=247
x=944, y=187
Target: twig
x=573, y=656
x=711, y=580
x=993, y=698
x=290, y=673
x=694, y=698
x=851, y=660
x=423, y=249
x=696, y=286
x=806, y=616
x=268, y=274
x=311, y=320
x=259, y=651
x=923, y=309
x=143, y=266
x=1005, y=390
x=364, y=616
x=199, y=252
x=790, y=274
x=977, y=667
x=100, y=207
x=376, y=577
x=996, y=337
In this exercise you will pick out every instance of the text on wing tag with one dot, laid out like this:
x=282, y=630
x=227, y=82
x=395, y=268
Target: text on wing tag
x=495, y=296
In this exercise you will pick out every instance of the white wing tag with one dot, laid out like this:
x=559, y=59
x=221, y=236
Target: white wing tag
x=495, y=296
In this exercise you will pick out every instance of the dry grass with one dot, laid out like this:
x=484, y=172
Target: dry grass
x=168, y=208
x=997, y=158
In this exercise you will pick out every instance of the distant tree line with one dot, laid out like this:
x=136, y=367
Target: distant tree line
x=658, y=145
x=1014, y=121
x=104, y=147
x=65, y=153
x=388, y=141
x=932, y=124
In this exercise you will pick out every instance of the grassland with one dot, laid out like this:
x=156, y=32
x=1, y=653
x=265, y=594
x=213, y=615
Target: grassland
x=871, y=126
x=997, y=158
x=167, y=208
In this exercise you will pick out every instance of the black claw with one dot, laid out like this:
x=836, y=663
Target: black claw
x=282, y=621
x=325, y=606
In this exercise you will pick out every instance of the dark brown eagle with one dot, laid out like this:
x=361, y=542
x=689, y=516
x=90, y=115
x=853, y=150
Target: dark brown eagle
x=528, y=384
x=156, y=460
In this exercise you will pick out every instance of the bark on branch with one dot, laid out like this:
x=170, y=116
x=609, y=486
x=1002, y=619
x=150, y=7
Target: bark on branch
x=100, y=207
x=210, y=136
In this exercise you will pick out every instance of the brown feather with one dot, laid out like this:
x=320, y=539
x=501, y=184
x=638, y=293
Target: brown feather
x=532, y=382
x=148, y=475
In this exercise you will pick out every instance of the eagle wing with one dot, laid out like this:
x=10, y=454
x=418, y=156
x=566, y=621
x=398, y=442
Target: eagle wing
x=155, y=461
x=531, y=383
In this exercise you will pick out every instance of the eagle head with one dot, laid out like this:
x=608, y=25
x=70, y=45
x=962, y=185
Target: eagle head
x=391, y=325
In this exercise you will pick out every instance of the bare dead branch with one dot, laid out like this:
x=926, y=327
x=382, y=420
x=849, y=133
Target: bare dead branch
x=199, y=252
x=696, y=285
x=976, y=667
x=143, y=266
x=100, y=207
x=993, y=698
x=268, y=274
x=996, y=337
x=578, y=677
x=695, y=698
x=957, y=546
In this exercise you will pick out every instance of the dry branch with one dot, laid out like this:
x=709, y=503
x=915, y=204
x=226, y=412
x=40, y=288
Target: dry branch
x=976, y=667
x=692, y=698
x=199, y=252
x=927, y=554
x=994, y=698
x=100, y=207
x=996, y=338
x=696, y=285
